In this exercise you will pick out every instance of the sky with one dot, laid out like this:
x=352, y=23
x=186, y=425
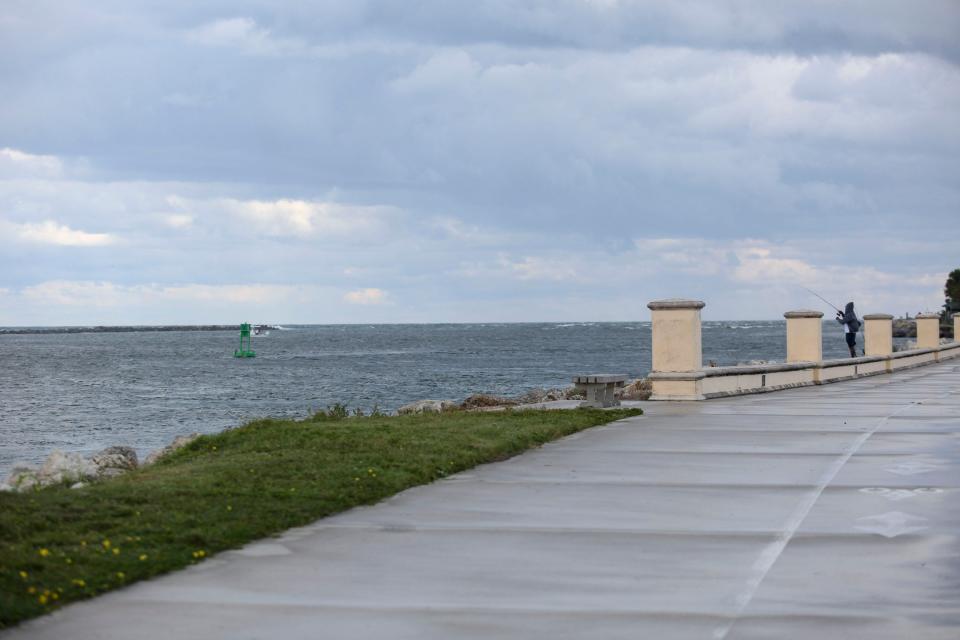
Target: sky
x=487, y=161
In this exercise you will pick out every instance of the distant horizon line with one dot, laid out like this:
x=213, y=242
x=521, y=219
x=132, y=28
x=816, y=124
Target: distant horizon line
x=230, y=326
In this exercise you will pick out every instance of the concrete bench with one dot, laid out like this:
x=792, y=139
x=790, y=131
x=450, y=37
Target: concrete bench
x=599, y=389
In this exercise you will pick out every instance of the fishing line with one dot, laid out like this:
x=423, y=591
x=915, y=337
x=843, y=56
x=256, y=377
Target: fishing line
x=821, y=297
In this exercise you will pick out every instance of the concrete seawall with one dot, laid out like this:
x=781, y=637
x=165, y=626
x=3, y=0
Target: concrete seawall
x=678, y=371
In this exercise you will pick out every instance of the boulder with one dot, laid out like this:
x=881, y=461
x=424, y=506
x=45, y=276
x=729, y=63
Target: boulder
x=58, y=468
x=114, y=461
x=178, y=443
x=572, y=393
x=533, y=396
x=427, y=406
x=22, y=478
x=555, y=394
x=637, y=390
x=539, y=395
x=76, y=470
x=65, y=467
x=481, y=400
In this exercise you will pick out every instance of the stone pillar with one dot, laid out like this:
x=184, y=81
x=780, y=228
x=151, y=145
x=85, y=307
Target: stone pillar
x=677, y=349
x=878, y=334
x=928, y=330
x=804, y=336
x=676, y=335
x=956, y=327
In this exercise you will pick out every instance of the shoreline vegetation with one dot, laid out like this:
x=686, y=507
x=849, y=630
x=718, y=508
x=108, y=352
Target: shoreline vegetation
x=221, y=491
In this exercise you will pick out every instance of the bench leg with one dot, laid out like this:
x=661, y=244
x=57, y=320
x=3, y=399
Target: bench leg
x=610, y=398
x=599, y=395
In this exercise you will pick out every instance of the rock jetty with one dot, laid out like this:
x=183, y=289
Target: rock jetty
x=77, y=470
x=639, y=389
x=904, y=328
x=104, y=329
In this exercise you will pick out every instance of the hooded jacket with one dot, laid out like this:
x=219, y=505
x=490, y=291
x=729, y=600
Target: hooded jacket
x=849, y=318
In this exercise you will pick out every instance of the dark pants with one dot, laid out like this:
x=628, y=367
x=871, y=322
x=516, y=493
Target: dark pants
x=852, y=343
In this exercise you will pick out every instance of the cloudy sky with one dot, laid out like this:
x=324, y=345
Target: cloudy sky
x=427, y=161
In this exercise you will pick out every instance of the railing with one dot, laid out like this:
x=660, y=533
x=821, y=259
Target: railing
x=678, y=371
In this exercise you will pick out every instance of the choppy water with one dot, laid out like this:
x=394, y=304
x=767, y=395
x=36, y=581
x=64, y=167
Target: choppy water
x=86, y=391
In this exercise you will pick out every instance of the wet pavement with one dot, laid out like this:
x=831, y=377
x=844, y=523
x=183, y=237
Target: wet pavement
x=827, y=512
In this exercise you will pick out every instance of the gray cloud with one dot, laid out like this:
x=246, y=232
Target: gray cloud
x=449, y=154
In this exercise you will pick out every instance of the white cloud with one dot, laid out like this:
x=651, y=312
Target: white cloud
x=109, y=294
x=287, y=217
x=50, y=232
x=366, y=296
x=20, y=164
x=542, y=268
x=442, y=71
x=178, y=220
x=760, y=265
x=244, y=34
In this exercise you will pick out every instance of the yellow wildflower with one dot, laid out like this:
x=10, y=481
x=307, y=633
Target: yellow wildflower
x=106, y=544
x=54, y=595
x=229, y=508
x=116, y=551
x=42, y=599
x=121, y=575
x=31, y=590
x=143, y=556
x=24, y=575
x=80, y=582
x=44, y=552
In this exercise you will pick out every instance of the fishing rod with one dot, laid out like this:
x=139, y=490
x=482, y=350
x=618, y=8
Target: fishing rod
x=821, y=297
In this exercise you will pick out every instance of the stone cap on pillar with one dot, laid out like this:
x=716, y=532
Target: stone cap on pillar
x=676, y=303
x=927, y=316
x=803, y=313
x=878, y=316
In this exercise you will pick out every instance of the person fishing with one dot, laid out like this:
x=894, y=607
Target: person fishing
x=851, y=324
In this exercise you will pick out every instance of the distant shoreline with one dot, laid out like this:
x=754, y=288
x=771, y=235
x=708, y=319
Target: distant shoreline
x=902, y=327
x=129, y=329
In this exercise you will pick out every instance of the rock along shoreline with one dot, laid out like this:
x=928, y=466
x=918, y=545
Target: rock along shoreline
x=76, y=470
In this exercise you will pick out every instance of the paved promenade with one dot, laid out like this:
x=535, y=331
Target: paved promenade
x=828, y=512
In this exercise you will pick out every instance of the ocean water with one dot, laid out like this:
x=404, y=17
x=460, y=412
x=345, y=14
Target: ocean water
x=86, y=391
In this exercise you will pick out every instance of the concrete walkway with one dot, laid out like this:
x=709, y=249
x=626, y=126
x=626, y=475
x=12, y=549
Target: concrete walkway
x=825, y=512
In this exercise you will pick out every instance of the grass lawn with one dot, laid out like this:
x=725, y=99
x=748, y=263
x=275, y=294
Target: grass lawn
x=222, y=491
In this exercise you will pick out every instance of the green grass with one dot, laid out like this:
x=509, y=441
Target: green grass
x=59, y=545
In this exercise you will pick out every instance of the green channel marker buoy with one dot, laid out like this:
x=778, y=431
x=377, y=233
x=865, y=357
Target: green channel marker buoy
x=248, y=352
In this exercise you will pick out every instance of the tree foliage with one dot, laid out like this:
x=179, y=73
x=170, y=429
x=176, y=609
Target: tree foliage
x=952, y=291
